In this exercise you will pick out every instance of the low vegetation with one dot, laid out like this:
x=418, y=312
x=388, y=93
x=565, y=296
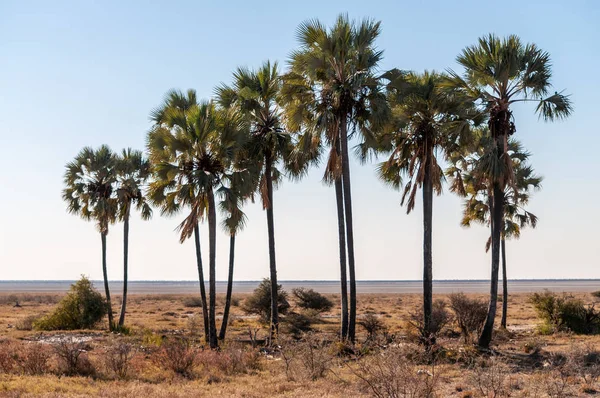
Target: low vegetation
x=566, y=313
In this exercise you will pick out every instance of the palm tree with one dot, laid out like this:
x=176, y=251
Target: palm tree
x=474, y=184
x=498, y=74
x=173, y=189
x=133, y=172
x=428, y=124
x=194, y=147
x=236, y=220
x=332, y=84
x=255, y=95
x=90, y=179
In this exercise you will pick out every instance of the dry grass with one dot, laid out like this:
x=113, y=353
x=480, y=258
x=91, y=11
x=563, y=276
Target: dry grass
x=525, y=364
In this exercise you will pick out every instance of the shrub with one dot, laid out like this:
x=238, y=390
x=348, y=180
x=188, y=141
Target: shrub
x=308, y=359
x=34, y=358
x=194, y=324
x=178, y=355
x=566, y=313
x=82, y=308
x=260, y=301
x=230, y=361
x=194, y=302
x=391, y=374
x=470, y=314
x=73, y=360
x=296, y=324
x=372, y=325
x=596, y=294
x=440, y=317
x=8, y=356
x=117, y=358
x=489, y=378
x=26, y=323
x=309, y=299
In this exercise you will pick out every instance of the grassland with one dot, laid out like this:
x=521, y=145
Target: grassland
x=524, y=363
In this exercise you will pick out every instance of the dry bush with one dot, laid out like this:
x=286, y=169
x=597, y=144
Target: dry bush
x=469, y=313
x=440, y=317
x=297, y=323
x=195, y=325
x=117, y=358
x=392, y=374
x=373, y=325
x=558, y=381
x=309, y=358
x=178, y=355
x=27, y=322
x=584, y=362
x=193, y=302
x=8, y=356
x=231, y=361
x=489, y=377
x=34, y=359
x=73, y=359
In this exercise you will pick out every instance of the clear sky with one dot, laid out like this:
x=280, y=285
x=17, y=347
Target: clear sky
x=88, y=73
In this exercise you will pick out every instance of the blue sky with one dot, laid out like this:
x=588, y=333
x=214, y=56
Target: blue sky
x=87, y=73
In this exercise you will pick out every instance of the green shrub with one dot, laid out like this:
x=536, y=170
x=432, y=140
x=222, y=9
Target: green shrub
x=82, y=308
x=260, y=301
x=297, y=323
x=566, y=313
x=309, y=299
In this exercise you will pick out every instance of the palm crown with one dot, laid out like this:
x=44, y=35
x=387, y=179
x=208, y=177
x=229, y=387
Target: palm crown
x=133, y=172
x=89, y=191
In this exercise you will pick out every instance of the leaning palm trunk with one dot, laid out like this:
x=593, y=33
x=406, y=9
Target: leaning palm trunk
x=497, y=210
x=272, y=263
x=201, y=280
x=504, y=286
x=229, y=288
x=339, y=195
x=428, y=336
x=212, y=286
x=125, y=272
x=106, y=288
x=349, y=230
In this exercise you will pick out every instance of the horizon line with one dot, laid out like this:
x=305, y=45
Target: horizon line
x=300, y=280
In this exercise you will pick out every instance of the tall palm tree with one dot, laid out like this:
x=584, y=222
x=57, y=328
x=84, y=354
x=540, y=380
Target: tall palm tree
x=498, y=74
x=428, y=124
x=194, y=147
x=332, y=83
x=470, y=174
x=133, y=172
x=255, y=93
x=235, y=221
x=89, y=192
x=173, y=190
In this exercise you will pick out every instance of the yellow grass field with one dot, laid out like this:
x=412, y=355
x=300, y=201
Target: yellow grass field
x=524, y=363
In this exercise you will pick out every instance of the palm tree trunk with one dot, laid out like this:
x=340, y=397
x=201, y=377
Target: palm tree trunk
x=339, y=195
x=212, y=285
x=349, y=229
x=201, y=280
x=497, y=210
x=106, y=288
x=429, y=338
x=272, y=263
x=125, y=261
x=504, y=286
x=229, y=288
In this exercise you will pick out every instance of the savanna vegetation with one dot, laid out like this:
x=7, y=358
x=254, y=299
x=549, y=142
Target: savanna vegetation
x=205, y=158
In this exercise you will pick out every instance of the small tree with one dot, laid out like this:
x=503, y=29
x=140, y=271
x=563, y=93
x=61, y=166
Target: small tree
x=260, y=301
x=82, y=308
x=309, y=299
x=470, y=314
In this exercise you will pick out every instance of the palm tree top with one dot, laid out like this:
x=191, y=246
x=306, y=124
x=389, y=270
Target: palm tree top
x=503, y=71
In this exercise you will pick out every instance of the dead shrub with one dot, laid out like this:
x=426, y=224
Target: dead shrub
x=440, y=317
x=373, y=325
x=230, y=361
x=178, y=355
x=8, y=356
x=309, y=358
x=391, y=374
x=34, y=359
x=26, y=323
x=117, y=358
x=195, y=325
x=73, y=359
x=469, y=313
x=489, y=377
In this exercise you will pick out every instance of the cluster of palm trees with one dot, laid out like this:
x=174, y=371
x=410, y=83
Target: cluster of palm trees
x=222, y=152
